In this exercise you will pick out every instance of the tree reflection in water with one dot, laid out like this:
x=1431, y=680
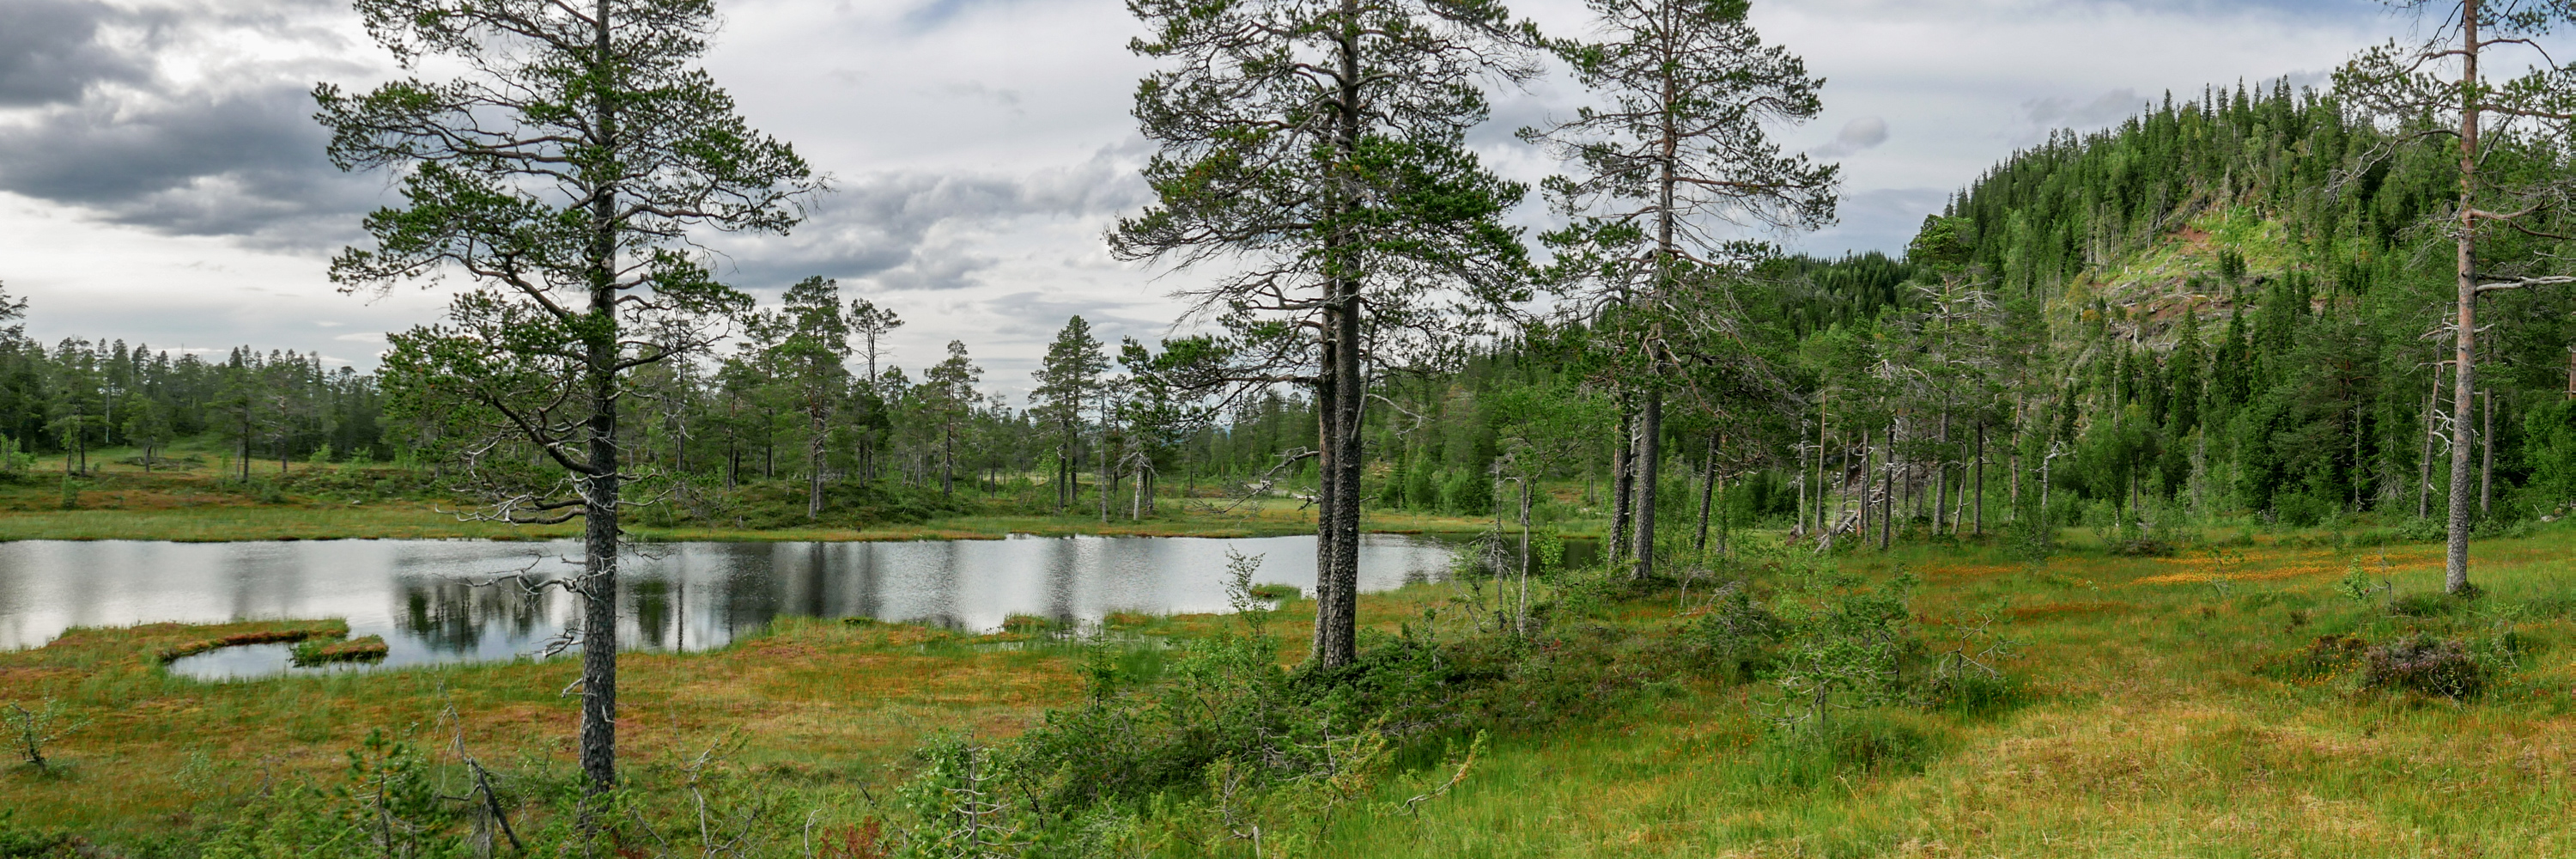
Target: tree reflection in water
x=452, y=615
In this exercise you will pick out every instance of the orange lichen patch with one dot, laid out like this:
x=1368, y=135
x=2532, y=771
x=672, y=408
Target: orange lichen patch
x=2286, y=572
x=2062, y=609
x=1969, y=571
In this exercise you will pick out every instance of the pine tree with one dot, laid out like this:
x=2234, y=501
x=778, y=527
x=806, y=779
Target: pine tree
x=561, y=173
x=1680, y=153
x=1318, y=146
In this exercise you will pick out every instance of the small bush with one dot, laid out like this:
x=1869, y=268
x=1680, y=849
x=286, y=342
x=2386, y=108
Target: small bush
x=2301, y=510
x=1733, y=636
x=17, y=842
x=2145, y=547
x=1976, y=692
x=1030, y=624
x=2328, y=656
x=1275, y=592
x=1812, y=754
x=2425, y=665
x=2425, y=604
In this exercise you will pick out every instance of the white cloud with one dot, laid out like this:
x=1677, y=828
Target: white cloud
x=980, y=147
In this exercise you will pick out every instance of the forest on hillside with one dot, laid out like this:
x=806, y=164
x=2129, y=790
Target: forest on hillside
x=2219, y=307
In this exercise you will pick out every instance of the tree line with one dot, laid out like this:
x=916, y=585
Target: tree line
x=273, y=409
x=2219, y=306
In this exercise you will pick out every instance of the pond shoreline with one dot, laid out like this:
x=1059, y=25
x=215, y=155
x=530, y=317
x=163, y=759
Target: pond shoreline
x=405, y=521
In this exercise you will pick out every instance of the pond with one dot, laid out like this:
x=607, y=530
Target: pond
x=432, y=600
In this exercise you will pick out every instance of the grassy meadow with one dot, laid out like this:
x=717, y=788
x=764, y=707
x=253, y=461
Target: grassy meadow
x=2174, y=706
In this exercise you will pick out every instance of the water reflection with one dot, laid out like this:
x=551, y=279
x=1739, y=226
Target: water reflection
x=436, y=600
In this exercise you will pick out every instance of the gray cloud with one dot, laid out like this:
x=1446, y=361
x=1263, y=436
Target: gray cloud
x=245, y=163
x=1859, y=134
x=901, y=228
x=50, y=51
x=2057, y=112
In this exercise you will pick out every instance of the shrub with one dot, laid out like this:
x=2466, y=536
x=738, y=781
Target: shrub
x=1468, y=492
x=1812, y=754
x=2425, y=665
x=1275, y=592
x=2328, y=656
x=1734, y=635
x=1032, y=625
x=21, y=843
x=2424, y=604
x=2301, y=510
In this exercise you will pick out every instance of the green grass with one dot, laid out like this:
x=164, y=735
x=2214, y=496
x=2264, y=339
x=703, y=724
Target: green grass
x=2155, y=731
x=2157, y=721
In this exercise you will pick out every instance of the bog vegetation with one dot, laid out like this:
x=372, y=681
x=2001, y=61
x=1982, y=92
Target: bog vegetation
x=2102, y=519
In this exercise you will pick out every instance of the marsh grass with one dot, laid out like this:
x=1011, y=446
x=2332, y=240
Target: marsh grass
x=2148, y=714
x=118, y=500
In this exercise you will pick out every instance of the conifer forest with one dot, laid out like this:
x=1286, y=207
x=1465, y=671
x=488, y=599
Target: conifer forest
x=2193, y=484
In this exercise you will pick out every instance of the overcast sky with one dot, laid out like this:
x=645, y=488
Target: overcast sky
x=161, y=180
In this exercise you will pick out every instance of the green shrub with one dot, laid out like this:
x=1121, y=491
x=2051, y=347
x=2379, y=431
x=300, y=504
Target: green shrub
x=2423, y=530
x=1811, y=755
x=2425, y=604
x=2425, y=665
x=1275, y=592
x=2327, y=656
x=1033, y=625
x=17, y=842
x=2301, y=510
x=1467, y=492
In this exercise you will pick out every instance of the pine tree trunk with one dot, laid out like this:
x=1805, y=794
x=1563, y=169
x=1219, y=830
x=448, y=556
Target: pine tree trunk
x=1887, y=493
x=1708, y=492
x=814, y=470
x=2486, y=447
x=1981, y=480
x=1941, y=473
x=2424, y=460
x=1650, y=435
x=1621, y=483
x=600, y=501
x=2464, y=376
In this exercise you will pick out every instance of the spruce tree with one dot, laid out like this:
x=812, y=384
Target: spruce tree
x=1065, y=378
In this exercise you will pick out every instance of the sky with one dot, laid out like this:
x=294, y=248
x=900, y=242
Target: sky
x=162, y=181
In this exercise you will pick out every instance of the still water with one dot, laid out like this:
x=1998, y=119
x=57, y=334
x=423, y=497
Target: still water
x=434, y=600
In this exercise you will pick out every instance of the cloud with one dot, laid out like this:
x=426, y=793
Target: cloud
x=246, y=164
x=1864, y=133
x=921, y=230
x=50, y=51
x=2058, y=112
